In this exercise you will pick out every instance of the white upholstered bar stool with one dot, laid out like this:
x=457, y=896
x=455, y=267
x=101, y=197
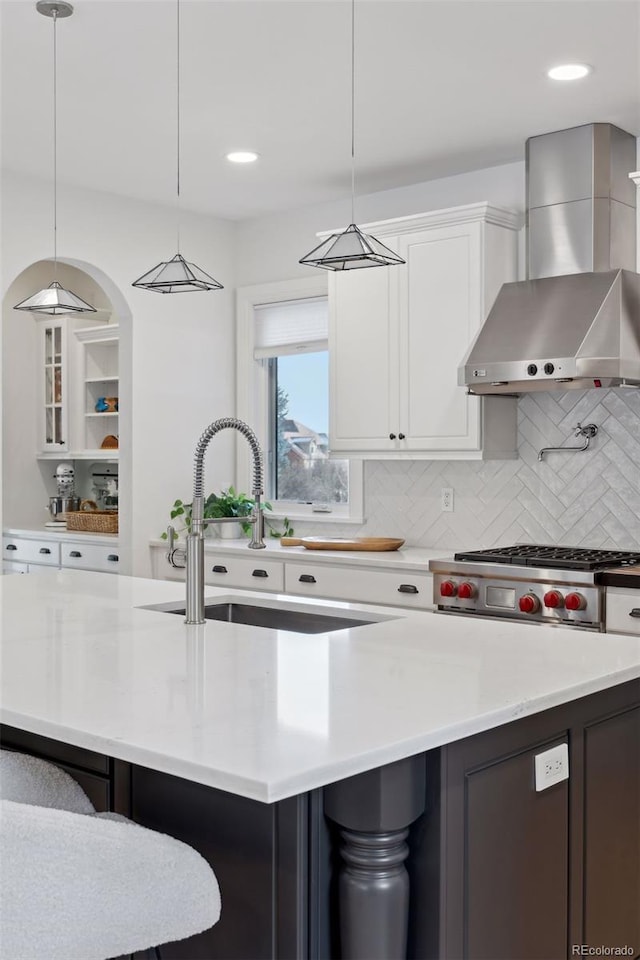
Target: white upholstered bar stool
x=80, y=885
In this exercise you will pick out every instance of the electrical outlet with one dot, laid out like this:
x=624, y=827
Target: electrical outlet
x=552, y=766
x=446, y=499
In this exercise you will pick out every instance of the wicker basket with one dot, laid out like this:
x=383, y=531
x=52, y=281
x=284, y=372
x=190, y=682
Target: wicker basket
x=92, y=521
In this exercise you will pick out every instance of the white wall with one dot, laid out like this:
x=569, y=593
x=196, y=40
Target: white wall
x=181, y=347
x=269, y=248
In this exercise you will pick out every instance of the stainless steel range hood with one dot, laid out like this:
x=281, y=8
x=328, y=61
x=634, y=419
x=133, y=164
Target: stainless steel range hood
x=575, y=323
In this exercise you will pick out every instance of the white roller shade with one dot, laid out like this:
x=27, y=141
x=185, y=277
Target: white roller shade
x=294, y=326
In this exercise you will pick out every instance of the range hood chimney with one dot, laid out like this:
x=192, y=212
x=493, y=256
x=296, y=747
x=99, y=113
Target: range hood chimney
x=575, y=323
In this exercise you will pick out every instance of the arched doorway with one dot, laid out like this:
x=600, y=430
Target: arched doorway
x=27, y=474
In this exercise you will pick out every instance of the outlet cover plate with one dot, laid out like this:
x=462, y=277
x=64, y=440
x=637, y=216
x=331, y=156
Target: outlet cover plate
x=446, y=499
x=552, y=766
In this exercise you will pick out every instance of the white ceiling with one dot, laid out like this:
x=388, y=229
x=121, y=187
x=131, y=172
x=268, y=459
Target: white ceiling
x=442, y=86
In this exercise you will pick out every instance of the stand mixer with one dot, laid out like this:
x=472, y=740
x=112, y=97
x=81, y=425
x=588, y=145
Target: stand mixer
x=66, y=500
x=105, y=487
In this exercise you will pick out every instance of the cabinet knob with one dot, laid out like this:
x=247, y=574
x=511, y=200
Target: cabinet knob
x=306, y=578
x=44, y=550
x=72, y=553
x=392, y=436
x=401, y=436
x=218, y=568
x=11, y=546
x=408, y=588
x=259, y=573
x=635, y=612
x=113, y=557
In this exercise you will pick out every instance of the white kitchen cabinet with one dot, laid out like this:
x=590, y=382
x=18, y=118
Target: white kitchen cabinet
x=341, y=582
x=26, y=552
x=252, y=572
x=397, y=336
x=89, y=556
x=340, y=578
x=8, y=567
x=78, y=365
x=623, y=611
x=98, y=379
x=53, y=385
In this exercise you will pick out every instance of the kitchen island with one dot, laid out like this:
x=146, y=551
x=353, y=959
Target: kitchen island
x=268, y=750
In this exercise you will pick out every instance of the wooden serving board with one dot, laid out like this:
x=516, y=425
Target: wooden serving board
x=358, y=543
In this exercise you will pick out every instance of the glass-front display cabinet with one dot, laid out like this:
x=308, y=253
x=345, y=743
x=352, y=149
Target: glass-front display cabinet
x=54, y=387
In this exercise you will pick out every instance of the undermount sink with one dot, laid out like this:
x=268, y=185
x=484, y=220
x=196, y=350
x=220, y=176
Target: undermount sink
x=276, y=617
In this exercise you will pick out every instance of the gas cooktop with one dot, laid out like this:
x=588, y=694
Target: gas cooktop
x=565, y=558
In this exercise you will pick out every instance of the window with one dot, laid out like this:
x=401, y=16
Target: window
x=283, y=392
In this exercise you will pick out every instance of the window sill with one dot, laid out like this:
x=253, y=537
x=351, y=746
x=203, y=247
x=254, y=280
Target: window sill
x=313, y=517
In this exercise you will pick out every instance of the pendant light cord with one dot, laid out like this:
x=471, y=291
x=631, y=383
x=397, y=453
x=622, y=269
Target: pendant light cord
x=353, y=111
x=55, y=148
x=178, y=120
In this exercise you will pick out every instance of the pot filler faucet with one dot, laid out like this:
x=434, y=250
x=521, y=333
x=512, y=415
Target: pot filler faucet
x=193, y=557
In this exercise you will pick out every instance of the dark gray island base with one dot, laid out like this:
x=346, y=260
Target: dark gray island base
x=449, y=854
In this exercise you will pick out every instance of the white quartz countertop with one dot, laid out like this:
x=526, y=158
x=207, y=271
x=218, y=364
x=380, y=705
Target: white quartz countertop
x=268, y=714
x=406, y=558
x=60, y=533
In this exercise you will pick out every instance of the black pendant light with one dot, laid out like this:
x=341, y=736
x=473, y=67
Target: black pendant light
x=54, y=299
x=177, y=275
x=352, y=249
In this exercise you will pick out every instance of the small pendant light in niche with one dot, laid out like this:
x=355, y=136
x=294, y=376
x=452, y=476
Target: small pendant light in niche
x=177, y=275
x=352, y=249
x=55, y=300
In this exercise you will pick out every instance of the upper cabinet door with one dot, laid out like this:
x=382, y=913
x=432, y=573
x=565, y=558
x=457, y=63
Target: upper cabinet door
x=363, y=359
x=440, y=313
x=398, y=334
x=53, y=387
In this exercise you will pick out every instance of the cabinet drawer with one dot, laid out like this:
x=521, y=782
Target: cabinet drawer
x=90, y=556
x=409, y=589
x=623, y=611
x=31, y=551
x=14, y=567
x=252, y=573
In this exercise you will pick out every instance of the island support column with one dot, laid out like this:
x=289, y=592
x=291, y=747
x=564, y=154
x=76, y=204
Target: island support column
x=374, y=810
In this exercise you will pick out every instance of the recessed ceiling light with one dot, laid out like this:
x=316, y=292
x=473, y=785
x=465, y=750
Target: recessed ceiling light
x=242, y=156
x=569, y=71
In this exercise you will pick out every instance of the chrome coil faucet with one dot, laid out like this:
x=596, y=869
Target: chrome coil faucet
x=193, y=556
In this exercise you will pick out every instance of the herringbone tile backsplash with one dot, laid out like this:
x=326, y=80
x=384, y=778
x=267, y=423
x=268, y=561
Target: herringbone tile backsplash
x=589, y=499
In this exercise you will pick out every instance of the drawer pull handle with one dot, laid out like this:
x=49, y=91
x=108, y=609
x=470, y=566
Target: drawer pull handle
x=635, y=612
x=75, y=553
x=408, y=588
x=259, y=573
x=306, y=578
x=11, y=546
x=218, y=568
x=113, y=557
x=44, y=550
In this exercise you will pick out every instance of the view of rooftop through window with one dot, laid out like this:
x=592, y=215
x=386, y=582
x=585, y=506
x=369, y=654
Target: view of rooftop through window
x=303, y=470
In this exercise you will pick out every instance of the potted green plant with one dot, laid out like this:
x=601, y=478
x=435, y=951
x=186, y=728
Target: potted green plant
x=227, y=503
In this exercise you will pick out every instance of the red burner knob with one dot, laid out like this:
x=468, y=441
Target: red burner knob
x=553, y=599
x=529, y=603
x=467, y=591
x=575, y=601
x=448, y=588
